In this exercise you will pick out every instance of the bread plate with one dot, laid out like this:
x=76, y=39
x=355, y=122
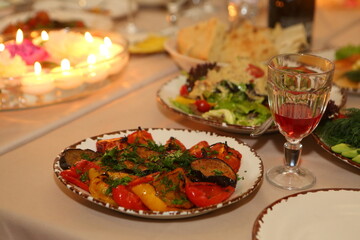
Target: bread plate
x=183, y=61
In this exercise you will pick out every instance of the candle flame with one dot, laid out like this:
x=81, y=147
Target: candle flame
x=89, y=37
x=19, y=36
x=44, y=35
x=91, y=59
x=232, y=11
x=37, y=68
x=107, y=42
x=65, y=64
x=2, y=47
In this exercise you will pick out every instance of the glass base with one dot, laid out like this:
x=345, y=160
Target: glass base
x=290, y=178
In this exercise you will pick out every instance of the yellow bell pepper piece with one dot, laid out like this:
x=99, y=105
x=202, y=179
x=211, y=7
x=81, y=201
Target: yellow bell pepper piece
x=147, y=194
x=98, y=187
x=184, y=100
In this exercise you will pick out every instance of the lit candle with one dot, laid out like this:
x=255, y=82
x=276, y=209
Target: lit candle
x=110, y=52
x=19, y=37
x=44, y=35
x=26, y=49
x=37, y=83
x=97, y=71
x=67, y=77
x=88, y=37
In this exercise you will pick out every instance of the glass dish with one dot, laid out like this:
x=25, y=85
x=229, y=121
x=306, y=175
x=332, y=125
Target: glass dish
x=60, y=84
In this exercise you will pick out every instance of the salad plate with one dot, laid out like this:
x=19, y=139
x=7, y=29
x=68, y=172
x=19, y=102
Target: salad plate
x=315, y=214
x=170, y=90
x=250, y=173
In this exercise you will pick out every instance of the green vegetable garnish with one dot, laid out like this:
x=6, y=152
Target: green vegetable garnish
x=342, y=130
x=347, y=51
x=353, y=75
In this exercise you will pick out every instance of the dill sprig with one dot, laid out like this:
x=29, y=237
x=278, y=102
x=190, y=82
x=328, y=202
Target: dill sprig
x=342, y=130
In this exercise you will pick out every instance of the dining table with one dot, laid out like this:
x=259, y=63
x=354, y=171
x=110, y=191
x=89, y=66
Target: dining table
x=34, y=204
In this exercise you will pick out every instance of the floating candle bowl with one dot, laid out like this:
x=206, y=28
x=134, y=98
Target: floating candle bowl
x=69, y=60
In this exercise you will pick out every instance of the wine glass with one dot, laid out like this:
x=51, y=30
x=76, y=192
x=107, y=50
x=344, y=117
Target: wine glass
x=239, y=10
x=298, y=91
x=131, y=27
x=173, y=8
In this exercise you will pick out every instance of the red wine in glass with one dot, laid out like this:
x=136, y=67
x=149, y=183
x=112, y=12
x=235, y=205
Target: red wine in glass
x=296, y=120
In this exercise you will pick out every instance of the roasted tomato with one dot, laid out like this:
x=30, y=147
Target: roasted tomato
x=199, y=150
x=174, y=144
x=204, y=194
x=140, y=137
x=107, y=144
x=227, y=154
x=127, y=199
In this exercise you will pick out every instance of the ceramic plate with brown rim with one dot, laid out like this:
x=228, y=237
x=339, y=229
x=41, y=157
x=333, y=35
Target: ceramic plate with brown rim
x=171, y=89
x=329, y=214
x=250, y=173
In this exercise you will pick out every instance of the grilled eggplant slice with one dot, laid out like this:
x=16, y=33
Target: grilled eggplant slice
x=170, y=187
x=214, y=170
x=70, y=156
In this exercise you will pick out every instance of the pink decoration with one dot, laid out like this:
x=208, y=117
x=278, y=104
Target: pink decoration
x=28, y=51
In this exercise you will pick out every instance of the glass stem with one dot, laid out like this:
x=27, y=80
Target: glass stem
x=131, y=27
x=292, y=154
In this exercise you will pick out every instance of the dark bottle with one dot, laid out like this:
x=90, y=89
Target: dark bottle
x=290, y=12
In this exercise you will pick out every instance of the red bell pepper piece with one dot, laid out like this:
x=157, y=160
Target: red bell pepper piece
x=145, y=179
x=75, y=174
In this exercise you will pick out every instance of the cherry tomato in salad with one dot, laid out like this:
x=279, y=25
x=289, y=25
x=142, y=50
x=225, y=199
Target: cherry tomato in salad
x=255, y=71
x=140, y=137
x=127, y=199
x=199, y=149
x=202, y=105
x=184, y=90
x=204, y=194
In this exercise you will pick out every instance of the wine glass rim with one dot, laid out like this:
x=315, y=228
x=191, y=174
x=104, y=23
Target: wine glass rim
x=331, y=69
